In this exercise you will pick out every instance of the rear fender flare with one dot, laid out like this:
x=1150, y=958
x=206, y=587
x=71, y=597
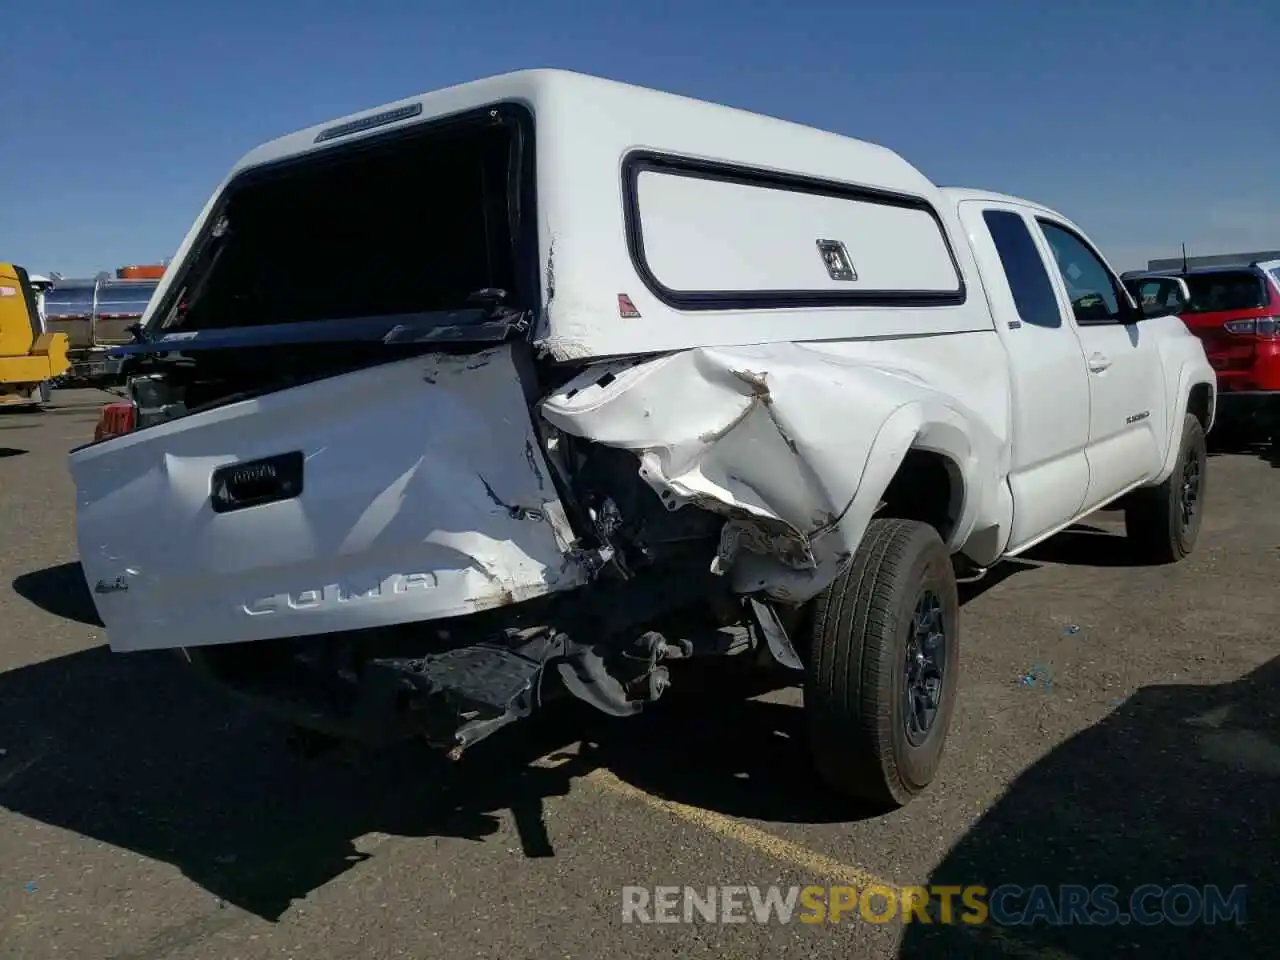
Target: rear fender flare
x=917, y=425
x=934, y=429
x=1189, y=377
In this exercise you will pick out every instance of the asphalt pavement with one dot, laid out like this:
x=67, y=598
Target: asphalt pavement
x=1118, y=725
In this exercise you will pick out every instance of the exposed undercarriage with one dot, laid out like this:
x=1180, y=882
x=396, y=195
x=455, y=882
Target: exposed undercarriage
x=455, y=682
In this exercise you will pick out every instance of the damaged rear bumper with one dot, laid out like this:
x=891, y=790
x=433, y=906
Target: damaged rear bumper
x=455, y=682
x=452, y=698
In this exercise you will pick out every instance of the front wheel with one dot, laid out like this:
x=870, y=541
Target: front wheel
x=1163, y=523
x=884, y=660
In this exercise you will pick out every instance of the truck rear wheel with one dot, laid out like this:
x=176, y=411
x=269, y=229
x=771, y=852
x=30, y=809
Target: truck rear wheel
x=1163, y=523
x=883, y=665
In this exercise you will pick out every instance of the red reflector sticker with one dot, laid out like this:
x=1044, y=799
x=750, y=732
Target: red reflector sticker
x=626, y=309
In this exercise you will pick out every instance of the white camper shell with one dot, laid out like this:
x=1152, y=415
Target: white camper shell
x=637, y=378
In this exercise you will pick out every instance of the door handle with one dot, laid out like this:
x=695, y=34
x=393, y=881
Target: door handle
x=1098, y=362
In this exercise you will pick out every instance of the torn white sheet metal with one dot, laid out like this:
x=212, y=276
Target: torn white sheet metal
x=425, y=495
x=795, y=444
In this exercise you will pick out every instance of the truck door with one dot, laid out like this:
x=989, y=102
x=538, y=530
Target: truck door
x=1048, y=470
x=1126, y=381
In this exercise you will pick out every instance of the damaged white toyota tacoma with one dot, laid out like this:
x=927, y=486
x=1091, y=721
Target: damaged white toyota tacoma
x=538, y=384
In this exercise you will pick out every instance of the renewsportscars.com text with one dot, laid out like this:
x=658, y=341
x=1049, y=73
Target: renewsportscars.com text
x=1005, y=905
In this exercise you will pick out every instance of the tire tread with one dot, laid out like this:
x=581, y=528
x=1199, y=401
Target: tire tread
x=1151, y=514
x=851, y=720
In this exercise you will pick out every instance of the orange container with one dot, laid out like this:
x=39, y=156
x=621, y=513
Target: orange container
x=150, y=271
x=114, y=420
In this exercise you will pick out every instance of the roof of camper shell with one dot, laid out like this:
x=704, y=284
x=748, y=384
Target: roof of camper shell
x=633, y=116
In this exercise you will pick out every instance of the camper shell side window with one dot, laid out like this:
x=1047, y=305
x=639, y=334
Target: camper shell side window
x=713, y=236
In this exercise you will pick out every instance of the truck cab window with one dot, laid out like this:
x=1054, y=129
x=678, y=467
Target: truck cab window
x=1024, y=268
x=1090, y=288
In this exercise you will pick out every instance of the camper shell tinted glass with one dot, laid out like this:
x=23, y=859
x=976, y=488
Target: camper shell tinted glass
x=405, y=223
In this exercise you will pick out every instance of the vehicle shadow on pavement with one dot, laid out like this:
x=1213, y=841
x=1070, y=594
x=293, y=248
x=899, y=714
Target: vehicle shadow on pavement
x=1233, y=444
x=1177, y=786
x=751, y=757
x=134, y=751
x=1083, y=545
x=6, y=452
x=59, y=590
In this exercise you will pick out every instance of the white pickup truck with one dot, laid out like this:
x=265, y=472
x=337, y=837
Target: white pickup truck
x=537, y=384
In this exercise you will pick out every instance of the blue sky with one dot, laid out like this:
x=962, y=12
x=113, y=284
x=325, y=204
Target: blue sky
x=1148, y=123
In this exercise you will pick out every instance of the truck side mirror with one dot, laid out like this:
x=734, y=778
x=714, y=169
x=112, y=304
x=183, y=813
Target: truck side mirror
x=1162, y=296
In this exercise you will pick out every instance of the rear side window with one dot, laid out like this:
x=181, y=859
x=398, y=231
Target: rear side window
x=1225, y=290
x=1032, y=292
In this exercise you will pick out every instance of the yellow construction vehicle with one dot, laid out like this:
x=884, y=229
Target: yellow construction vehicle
x=29, y=357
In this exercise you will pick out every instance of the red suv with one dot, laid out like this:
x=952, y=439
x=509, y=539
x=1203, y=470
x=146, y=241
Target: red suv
x=1235, y=311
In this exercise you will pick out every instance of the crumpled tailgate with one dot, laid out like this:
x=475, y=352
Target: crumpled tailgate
x=421, y=493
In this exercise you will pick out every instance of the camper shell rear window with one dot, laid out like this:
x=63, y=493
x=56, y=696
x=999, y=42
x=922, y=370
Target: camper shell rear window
x=404, y=223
